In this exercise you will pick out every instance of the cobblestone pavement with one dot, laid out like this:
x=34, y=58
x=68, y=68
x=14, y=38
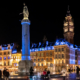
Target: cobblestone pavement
x=70, y=76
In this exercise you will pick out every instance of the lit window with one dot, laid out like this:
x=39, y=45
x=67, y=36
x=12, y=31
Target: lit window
x=42, y=64
x=62, y=61
x=38, y=64
x=51, y=59
x=42, y=54
x=8, y=52
x=62, y=49
x=62, y=55
x=59, y=49
x=59, y=55
x=34, y=59
x=50, y=53
x=8, y=63
x=42, y=59
x=0, y=58
x=4, y=63
x=39, y=54
x=46, y=59
x=8, y=57
x=51, y=65
x=4, y=53
x=38, y=59
x=55, y=55
x=34, y=64
x=4, y=58
x=55, y=50
x=46, y=54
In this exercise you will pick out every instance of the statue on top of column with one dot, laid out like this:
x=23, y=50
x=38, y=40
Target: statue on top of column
x=25, y=12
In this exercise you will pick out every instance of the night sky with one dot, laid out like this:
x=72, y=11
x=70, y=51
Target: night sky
x=46, y=19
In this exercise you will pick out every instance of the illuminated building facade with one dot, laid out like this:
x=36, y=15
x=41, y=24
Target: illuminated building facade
x=43, y=58
x=69, y=28
x=9, y=58
x=55, y=56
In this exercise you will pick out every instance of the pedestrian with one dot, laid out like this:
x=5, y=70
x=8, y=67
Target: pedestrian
x=31, y=72
x=44, y=73
x=77, y=71
x=48, y=74
x=7, y=74
x=0, y=75
x=4, y=73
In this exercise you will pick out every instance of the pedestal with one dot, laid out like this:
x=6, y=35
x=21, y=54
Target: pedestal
x=24, y=67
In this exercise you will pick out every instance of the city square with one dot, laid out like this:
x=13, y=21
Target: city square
x=47, y=58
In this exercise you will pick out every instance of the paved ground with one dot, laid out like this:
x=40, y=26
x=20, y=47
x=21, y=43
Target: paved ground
x=71, y=76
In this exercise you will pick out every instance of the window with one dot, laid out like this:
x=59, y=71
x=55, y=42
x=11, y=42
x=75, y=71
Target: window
x=8, y=52
x=8, y=63
x=38, y=54
x=34, y=64
x=46, y=59
x=4, y=63
x=62, y=55
x=50, y=53
x=8, y=57
x=59, y=49
x=42, y=64
x=42, y=59
x=62, y=61
x=0, y=58
x=38, y=59
x=34, y=59
x=55, y=50
x=50, y=59
x=62, y=49
x=51, y=65
x=4, y=53
x=59, y=55
x=38, y=64
x=4, y=58
x=46, y=54
x=41, y=54
x=0, y=53
x=55, y=55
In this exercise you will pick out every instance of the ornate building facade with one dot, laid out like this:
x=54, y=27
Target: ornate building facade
x=60, y=54
x=69, y=28
x=9, y=58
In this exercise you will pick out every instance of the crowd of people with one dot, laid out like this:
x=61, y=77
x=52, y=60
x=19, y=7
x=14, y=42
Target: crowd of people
x=46, y=73
x=5, y=73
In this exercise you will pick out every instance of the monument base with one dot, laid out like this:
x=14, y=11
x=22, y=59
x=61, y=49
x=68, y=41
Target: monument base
x=24, y=67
